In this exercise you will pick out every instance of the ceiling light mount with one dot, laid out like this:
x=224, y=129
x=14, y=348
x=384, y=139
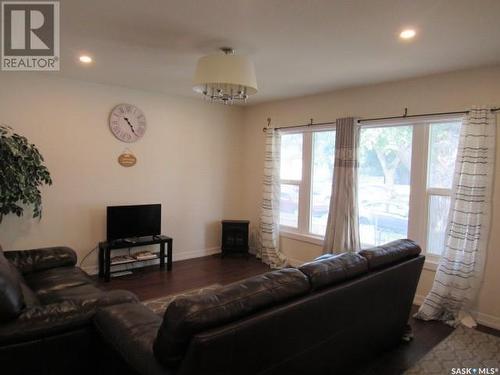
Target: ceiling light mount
x=227, y=50
x=225, y=78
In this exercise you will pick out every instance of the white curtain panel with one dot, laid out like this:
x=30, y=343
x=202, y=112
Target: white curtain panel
x=268, y=249
x=342, y=231
x=461, y=267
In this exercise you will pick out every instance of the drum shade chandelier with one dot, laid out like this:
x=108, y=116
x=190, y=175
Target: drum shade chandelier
x=225, y=78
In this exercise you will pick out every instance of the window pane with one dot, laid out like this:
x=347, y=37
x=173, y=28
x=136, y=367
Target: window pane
x=442, y=153
x=291, y=157
x=384, y=183
x=439, y=206
x=323, y=159
x=289, y=205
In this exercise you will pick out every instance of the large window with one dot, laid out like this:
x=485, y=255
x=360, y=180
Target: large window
x=291, y=178
x=322, y=172
x=405, y=178
x=306, y=181
x=384, y=183
x=443, y=145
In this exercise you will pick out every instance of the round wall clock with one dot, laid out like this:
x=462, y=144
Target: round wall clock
x=127, y=123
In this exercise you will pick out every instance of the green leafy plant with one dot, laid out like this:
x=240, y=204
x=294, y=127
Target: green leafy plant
x=22, y=173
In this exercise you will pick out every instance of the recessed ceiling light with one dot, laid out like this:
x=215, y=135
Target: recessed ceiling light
x=85, y=59
x=407, y=34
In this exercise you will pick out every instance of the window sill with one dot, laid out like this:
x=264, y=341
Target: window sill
x=309, y=238
x=431, y=264
x=431, y=261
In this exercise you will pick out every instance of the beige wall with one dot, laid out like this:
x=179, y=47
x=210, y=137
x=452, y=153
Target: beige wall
x=188, y=160
x=192, y=157
x=438, y=93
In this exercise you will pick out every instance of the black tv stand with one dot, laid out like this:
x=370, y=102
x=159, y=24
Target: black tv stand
x=106, y=247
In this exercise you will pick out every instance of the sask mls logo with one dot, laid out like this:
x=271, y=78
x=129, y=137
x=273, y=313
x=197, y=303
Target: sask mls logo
x=474, y=371
x=30, y=35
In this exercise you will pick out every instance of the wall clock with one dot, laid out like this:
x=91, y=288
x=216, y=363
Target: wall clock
x=127, y=123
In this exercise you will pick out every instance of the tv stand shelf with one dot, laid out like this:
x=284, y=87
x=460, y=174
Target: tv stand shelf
x=156, y=256
x=106, y=247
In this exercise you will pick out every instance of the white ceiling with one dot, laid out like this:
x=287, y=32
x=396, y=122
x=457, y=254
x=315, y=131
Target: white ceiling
x=299, y=46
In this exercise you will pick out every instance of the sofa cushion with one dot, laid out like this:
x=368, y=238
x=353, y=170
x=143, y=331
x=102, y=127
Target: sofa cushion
x=331, y=270
x=390, y=253
x=48, y=281
x=74, y=293
x=89, y=295
x=190, y=315
x=43, y=321
x=40, y=321
x=11, y=296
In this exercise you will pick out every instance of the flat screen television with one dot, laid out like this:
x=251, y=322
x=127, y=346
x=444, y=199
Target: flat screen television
x=133, y=221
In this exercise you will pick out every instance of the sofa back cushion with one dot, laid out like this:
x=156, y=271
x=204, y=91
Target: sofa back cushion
x=333, y=269
x=190, y=315
x=390, y=253
x=11, y=296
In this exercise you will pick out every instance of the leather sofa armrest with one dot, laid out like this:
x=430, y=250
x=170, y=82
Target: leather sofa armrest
x=390, y=253
x=27, y=261
x=130, y=329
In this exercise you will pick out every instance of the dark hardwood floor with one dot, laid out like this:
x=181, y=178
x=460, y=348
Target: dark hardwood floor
x=396, y=361
x=150, y=283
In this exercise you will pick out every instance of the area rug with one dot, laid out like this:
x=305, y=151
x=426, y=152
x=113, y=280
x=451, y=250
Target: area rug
x=465, y=351
x=159, y=305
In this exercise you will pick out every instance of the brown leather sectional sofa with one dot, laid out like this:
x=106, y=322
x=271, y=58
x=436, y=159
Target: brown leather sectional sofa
x=325, y=317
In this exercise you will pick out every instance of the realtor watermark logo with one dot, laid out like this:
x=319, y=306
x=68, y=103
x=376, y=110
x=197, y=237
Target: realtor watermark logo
x=474, y=370
x=30, y=35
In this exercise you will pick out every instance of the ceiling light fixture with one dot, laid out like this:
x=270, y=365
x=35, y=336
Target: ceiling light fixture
x=85, y=59
x=407, y=34
x=225, y=78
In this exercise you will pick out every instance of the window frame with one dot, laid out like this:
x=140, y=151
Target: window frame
x=303, y=230
x=380, y=124
x=433, y=191
x=418, y=214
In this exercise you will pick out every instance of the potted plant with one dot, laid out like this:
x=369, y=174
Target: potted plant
x=22, y=173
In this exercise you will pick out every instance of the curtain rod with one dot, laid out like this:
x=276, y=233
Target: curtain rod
x=405, y=115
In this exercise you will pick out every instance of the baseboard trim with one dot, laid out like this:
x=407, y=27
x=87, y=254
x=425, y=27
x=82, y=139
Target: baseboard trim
x=483, y=319
x=196, y=253
x=488, y=320
x=93, y=269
